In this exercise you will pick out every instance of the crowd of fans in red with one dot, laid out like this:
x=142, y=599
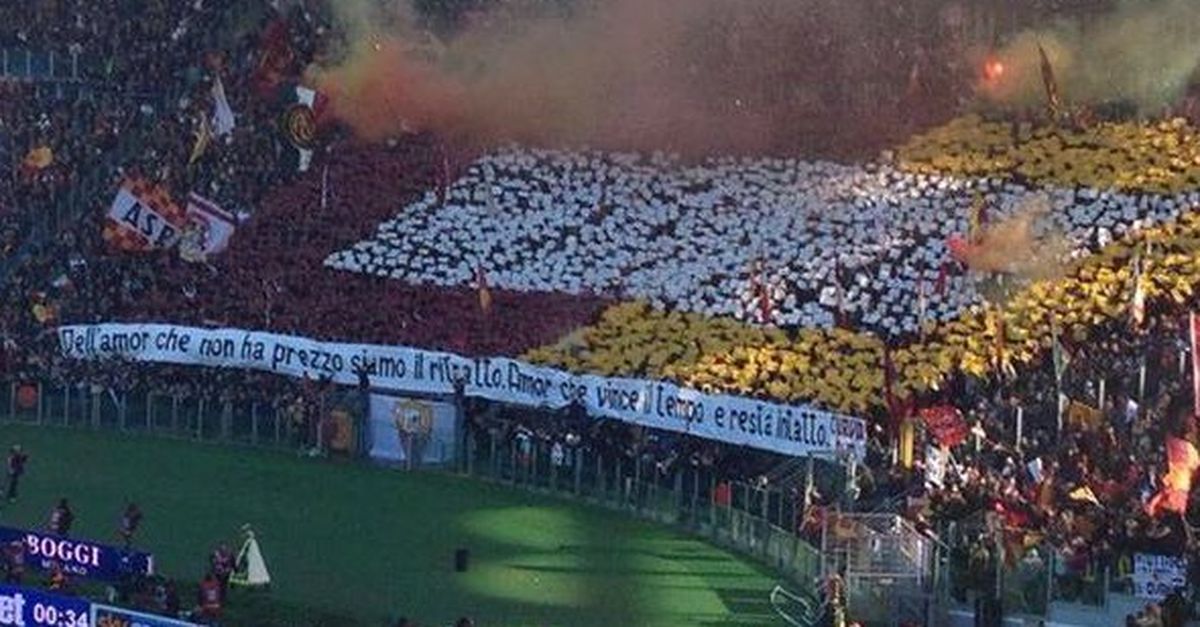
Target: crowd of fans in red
x=136, y=112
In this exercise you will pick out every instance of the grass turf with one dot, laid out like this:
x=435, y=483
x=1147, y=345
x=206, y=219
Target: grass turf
x=349, y=544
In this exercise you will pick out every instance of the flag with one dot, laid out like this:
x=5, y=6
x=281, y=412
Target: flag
x=214, y=225
x=485, y=292
x=222, y=118
x=1137, y=308
x=1194, y=328
x=1053, y=101
x=1084, y=494
x=36, y=160
x=143, y=217
x=906, y=443
x=946, y=424
x=939, y=286
x=203, y=139
x=299, y=124
x=1058, y=354
x=977, y=219
x=276, y=59
x=1182, y=462
x=760, y=294
x=1084, y=416
x=1000, y=346
x=899, y=409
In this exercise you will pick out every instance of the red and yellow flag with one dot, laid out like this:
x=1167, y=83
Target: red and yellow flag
x=1182, y=462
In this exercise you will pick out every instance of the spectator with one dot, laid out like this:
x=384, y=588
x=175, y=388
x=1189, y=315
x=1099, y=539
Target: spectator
x=16, y=469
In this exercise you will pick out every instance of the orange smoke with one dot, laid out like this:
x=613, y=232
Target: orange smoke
x=688, y=76
x=382, y=90
x=1012, y=246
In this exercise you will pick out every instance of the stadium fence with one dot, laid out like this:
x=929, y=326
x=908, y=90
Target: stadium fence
x=753, y=520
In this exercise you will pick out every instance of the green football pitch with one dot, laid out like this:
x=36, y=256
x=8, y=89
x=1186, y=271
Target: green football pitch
x=349, y=544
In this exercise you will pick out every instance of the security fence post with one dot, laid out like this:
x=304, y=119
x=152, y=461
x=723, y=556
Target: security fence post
x=95, y=408
x=695, y=496
x=619, y=480
x=578, y=468
x=200, y=407
x=254, y=423
x=554, y=469
x=636, y=492
x=122, y=402
x=532, y=463
x=469, y=453
x=678, y=494
x=603, y=492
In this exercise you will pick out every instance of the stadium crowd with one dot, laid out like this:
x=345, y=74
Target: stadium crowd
x=818, y=237
x=559, y=235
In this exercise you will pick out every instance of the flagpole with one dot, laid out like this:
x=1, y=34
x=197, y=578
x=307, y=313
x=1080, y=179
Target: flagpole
x=325, y=188
x=1060, y=411
x=1142, y=380
x=1058, y=360
x=1020, y=425
x=1195, y=362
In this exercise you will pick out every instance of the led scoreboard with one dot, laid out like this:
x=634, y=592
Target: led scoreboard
x=26, y=607
x=30, y=607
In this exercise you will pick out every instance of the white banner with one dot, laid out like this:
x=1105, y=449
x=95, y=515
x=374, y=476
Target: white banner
x=401, y=425
x=1156, y=576
x=790, y=430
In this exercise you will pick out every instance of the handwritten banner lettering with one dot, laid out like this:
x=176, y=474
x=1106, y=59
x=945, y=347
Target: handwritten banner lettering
x=785, y=429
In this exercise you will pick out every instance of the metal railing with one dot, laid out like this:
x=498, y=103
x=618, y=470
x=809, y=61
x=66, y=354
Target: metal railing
x=26, y=64
x=750, y=522
x=754, y=521
x=1028, y=578
x=197, y=418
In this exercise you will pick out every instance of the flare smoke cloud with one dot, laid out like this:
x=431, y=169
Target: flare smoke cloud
x=639, y=74
x=1014, y=246
x=1143, y=52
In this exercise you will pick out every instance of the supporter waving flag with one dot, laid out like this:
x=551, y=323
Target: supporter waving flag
x=276, y=59
x=143, y=217
x=1182, y=462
